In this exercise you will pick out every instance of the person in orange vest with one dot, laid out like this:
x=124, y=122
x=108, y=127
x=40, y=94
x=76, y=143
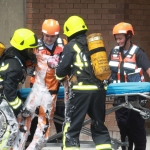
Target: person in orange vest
x=41, y=100
x=59, y=108
x=127, y=63
x=59, y=42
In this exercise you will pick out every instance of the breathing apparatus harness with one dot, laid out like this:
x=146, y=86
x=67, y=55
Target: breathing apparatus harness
x=88, y=72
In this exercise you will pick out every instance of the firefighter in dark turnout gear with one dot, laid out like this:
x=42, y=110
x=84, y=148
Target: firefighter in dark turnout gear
x=84, y=95
x=127, y=63
x=12, y=72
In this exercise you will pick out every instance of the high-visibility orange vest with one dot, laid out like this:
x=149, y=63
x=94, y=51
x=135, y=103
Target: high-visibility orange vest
x=129, y=63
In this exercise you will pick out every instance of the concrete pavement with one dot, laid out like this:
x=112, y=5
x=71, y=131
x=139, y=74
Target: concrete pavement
x=85, y=146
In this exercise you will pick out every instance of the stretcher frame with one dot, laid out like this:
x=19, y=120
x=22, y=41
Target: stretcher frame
x=134, y=105
x=140, y=89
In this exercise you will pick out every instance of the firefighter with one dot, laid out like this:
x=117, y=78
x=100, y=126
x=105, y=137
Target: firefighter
x=13, y=66
x=41, y=100
x=127, y=63
x=84, y=95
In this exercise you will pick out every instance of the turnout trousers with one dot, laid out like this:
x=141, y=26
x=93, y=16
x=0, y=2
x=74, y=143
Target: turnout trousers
x=9, y=126
x=78, y=105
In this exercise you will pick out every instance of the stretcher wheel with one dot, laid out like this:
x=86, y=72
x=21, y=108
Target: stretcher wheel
x=147, y=116
x=3, y=123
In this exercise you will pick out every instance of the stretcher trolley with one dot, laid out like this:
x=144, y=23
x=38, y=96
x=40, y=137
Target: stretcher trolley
x=126, y=90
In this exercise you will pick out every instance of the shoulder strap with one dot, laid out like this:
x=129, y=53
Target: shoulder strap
x=115, y=51
x=133, y=50
x=42, y=46
x=90, y=74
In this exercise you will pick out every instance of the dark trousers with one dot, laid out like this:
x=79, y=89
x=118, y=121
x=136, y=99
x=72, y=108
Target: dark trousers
x=79, y=104
x=32, y=129
x=131, y=124
x=59, y=112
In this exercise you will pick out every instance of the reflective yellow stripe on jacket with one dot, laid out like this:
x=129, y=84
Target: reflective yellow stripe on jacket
x=103, y=147
x=85, y=87
x=79, y=63
x=16, y=103
x=4, y=67
x=59, y=78
x=5, y=138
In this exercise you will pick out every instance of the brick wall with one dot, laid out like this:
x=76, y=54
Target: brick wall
x=100, y=16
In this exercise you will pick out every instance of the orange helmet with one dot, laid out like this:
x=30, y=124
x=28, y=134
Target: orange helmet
x=123, y=27
x=50, y=27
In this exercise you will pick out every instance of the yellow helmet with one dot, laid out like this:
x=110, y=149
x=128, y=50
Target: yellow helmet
x=73, y=25
x=23, y=38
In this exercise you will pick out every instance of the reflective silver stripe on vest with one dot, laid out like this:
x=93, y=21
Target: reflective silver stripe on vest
x=59, y=41
x=129, y=65
x=115, y=55
x=41, y=48
x=132, y=51
x=113, y=63
x=116, y=47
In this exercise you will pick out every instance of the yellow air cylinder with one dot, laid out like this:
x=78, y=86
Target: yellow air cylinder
x=98, y=56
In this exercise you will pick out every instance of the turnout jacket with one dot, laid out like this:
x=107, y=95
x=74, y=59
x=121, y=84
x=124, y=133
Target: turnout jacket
x=12, y=72
x=73, y=61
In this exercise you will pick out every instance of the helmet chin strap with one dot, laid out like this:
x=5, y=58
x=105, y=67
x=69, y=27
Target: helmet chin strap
x=127, y=38
x=56, y=38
